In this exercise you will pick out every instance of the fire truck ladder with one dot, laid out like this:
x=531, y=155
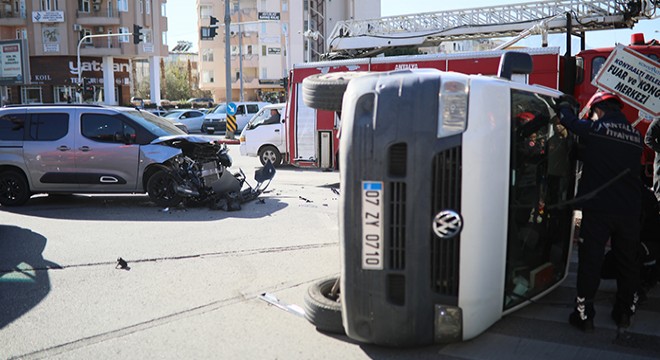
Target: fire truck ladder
x=356, y=38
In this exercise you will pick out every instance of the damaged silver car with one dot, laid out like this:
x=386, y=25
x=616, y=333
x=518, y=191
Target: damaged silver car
x=77, y=148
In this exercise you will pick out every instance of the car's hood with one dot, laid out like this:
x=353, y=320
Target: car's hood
x=168, y=140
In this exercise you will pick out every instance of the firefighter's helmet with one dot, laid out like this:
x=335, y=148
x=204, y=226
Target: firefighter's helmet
x=600, y=97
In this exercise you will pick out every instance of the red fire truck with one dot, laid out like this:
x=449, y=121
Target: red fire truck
x=311, y=135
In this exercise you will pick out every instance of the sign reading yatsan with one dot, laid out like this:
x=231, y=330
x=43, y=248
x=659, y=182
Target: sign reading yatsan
x=97, y=66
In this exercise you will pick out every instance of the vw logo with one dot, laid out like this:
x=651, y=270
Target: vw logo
x=447, y=224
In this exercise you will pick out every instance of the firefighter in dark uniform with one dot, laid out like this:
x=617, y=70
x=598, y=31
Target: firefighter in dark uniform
x=610, y=198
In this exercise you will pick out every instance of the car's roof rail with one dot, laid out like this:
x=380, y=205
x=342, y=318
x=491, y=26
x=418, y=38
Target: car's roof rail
x=55, y=105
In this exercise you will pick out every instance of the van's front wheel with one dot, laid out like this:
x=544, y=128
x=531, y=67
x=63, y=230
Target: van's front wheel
x=14, y=189
x=270, y=153
x=322, y=306
x=161, y=188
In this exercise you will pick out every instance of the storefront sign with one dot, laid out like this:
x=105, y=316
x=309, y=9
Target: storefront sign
x=47, y=16
x=274, y=51
x=13, y=61
x=47, y=70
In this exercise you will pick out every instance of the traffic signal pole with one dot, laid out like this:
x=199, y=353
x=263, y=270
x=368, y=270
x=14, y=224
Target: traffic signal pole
x=78, y=54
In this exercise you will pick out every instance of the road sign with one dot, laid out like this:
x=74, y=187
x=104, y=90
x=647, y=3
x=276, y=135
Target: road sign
x=632, y=76
x=231, y=109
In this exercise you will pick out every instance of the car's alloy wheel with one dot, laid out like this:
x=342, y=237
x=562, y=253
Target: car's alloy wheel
x=161, y=188
x=14, y=189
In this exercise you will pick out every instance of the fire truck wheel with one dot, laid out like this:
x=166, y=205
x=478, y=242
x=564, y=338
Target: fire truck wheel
x=326, y=91
x=270, y=153
x=322, y=309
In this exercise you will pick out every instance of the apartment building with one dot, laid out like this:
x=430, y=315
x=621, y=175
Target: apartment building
x=266, y=38
x=46, y=35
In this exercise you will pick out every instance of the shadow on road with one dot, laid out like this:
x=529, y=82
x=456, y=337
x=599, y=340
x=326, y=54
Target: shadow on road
x=24, y=280
x=135, y=208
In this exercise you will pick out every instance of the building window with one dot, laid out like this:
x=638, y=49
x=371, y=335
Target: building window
x=21, y=33
x=147, y=6
x=205, y=11
x=164, y=37
x=122, y=5
x=249, y=50
x=64, y=94
x=147, y=35
x=207, y=76
x=86, y=32
x=31, y=94
x=207, y=55
x=83, y=5
x=234, y=6
x=124, y=38
x=141, y=6
x=163, y=9
x=234, y=50
x=49, y=5
x=263, y=50
x=264, y=73
x=285, y=5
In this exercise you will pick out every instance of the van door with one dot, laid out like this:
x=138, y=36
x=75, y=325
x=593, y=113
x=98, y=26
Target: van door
x=49, y=149
x=106, y=158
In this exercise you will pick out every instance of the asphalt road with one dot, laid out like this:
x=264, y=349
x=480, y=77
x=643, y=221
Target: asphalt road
x=192, y=290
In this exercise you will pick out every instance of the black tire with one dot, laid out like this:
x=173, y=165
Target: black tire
x=161, y=188
x=321, y=310
x=270, y=153
x=326, y=91
x=14, y=188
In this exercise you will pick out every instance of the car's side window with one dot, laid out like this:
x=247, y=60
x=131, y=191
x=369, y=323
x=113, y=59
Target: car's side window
x=48, y=126
x=106, y=128
x=253, y=108
x=240, y=110
x=12, y=127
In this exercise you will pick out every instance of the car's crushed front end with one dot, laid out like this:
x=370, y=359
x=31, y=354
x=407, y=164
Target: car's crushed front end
x=195, y=170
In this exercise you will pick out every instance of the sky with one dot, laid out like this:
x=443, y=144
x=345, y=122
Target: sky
x=182, y=22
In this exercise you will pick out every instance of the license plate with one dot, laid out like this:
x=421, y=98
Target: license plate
x=372, y=226
x=210, y=128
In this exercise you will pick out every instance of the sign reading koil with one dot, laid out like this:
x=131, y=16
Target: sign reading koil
x=634, y=77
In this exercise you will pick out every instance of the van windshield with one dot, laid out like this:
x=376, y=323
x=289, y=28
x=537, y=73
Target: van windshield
x=263, y=117
x=220, y=109
x=154, y=124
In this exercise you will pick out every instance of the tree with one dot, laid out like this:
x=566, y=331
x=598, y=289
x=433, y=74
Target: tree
x=177, y=85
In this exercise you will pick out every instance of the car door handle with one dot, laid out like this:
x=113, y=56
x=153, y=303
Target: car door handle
x=84, y=148
x=277, y=130
x=63, y=148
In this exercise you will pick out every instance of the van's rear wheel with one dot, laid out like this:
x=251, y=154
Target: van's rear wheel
x=322, y=306
x=161, y=188
x=270, y=153
x=326, y=91
x=14, y=188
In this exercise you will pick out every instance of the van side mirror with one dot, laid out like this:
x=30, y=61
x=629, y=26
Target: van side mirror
x=513, y=62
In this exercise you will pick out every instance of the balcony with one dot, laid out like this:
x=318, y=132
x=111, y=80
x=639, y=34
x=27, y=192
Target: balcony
x=9, y=17
x=98, y=15
x=102, y=47
x=249, y=61
x=246, y=14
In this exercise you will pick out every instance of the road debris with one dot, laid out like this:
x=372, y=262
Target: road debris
x=122, y=264
x=291, y=308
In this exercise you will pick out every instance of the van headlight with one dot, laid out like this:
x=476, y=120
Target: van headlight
x=453, y=105
x=448, y=324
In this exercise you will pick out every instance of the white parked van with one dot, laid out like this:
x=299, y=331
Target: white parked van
x=264, y=135
x=216, y=119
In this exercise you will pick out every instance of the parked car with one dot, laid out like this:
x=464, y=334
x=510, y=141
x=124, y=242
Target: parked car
x=200, y=101
x=264, y=135
x=191, y=118
x=216, y=119
x=76, y=148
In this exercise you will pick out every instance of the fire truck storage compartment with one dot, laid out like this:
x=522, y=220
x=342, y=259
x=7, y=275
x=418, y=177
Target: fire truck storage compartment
x=325, y=150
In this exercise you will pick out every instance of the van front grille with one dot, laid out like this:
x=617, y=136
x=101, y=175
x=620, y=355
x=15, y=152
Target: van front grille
x=446, y=195
x=397, y=226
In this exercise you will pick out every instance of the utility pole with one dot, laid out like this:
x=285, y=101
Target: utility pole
x=227, y=52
